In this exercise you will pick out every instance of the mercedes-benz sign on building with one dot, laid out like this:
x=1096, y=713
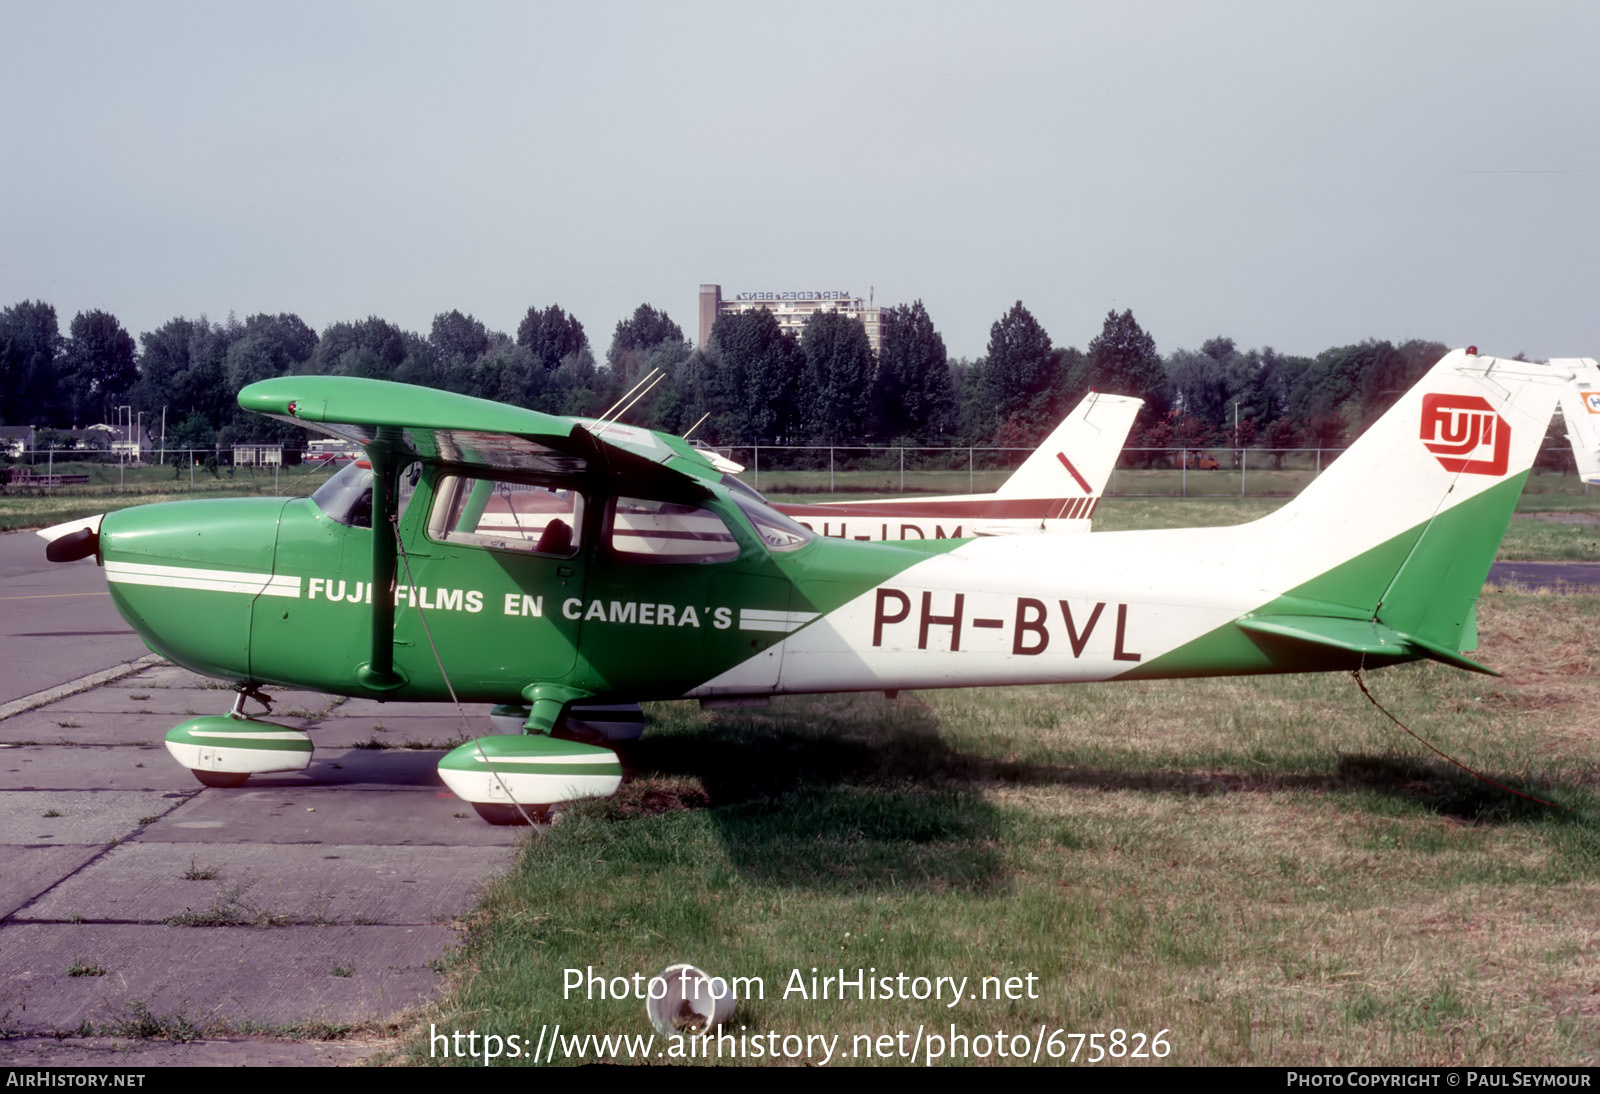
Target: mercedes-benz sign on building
x=791, y=308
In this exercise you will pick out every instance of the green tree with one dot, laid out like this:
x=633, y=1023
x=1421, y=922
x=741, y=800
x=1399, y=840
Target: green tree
x=646, y=340
x=269, y=345
x=835, y=383
x=913, y=395
x=458, y=337
x=1012, y=389
x=1199, y=386
x=1276, y=380
x=193, y=432
x=645, y=329
x=755, y=365
x=1392, y=374
x=54, y=440
x=1020, y=363
x=30, y=342
x=97, y=370
x=163, y=357
x=552, y=335
x=190, y=370
x=694, y=395
x=1122, y=360
x=373, y=348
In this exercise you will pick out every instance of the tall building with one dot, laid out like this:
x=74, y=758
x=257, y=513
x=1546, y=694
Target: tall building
x=791, y=308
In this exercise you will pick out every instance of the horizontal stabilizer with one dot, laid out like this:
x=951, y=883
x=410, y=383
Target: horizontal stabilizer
x=1363, y=636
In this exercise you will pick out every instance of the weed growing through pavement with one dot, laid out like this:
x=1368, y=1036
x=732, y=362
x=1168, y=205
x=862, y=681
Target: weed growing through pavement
x=196, y=872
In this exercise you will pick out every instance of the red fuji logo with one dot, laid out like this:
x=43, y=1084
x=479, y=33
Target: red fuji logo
x=1456, y=427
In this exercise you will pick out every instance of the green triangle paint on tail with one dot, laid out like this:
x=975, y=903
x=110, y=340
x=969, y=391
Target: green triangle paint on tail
x=1420, y=589
x=1434, y=595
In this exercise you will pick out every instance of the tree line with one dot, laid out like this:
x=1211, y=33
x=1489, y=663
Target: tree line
x=753, y=382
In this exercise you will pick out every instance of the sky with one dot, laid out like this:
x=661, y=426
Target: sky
x=1293, y=175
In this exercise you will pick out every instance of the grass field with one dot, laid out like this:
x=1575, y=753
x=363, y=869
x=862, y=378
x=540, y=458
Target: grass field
x=1265, y=868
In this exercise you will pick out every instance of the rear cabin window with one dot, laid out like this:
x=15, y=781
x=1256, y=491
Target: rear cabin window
x=510, y=516
x=664, y=531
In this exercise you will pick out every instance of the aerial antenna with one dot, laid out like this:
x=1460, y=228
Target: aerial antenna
x=650, y=387
x=605, y=425
x=696, y=425
x=613, y=407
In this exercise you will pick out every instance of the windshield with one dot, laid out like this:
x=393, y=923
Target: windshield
x=777, y=531
x=742, y=488
x=347, y=497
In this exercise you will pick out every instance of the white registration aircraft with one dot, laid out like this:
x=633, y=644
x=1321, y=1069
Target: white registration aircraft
x=1055, y=490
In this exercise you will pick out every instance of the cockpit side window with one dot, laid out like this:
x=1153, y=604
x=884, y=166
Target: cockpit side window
x=510, y=516
x=665, y=531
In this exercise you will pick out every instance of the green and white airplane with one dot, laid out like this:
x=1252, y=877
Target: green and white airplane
x=499, y=555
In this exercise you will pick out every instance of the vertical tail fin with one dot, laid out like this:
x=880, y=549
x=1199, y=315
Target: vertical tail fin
x=1076, y=459
x=1423, y=497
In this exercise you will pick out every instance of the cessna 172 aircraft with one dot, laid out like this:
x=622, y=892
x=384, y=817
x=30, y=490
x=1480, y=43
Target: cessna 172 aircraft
x=504, y=556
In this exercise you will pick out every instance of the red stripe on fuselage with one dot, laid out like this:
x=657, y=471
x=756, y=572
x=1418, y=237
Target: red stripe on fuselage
x=1027, y=508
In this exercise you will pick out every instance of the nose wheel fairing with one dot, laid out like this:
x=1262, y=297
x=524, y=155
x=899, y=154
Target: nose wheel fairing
x=224, y=750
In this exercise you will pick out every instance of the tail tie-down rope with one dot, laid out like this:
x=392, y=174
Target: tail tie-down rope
x=1362, y=684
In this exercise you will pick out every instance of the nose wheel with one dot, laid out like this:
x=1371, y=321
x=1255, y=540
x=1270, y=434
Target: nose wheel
x=220, y=780
x=507, y=815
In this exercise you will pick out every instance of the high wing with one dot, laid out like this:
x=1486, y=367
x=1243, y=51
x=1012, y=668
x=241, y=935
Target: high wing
x=399, y=423
x=406, y=422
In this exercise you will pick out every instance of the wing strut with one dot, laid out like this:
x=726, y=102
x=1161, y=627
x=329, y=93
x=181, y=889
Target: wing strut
x=379, y=672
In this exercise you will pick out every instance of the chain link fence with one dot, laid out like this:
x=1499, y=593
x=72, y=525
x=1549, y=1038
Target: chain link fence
x=1140, y=472
x=258, y=468
x=772, y=469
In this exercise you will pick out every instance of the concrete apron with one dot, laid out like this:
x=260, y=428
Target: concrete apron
x=136, y=904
